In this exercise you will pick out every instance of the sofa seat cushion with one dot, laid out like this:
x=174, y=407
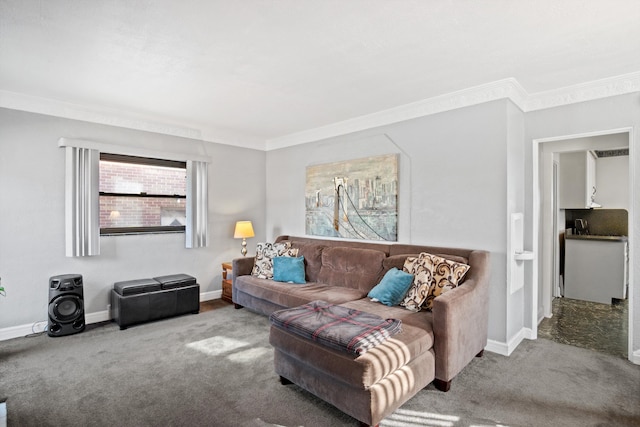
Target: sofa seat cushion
x=360, y=372
x=351, y=267
x=336, y=326
x=421, y=319
x=293, y=295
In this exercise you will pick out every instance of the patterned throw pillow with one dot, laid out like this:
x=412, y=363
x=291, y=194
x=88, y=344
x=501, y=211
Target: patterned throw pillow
x=434, y=276
x=419, y=290
x=265, y=252
x=447, y=275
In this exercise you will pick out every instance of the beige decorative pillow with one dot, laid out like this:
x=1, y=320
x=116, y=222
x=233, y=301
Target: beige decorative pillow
x=422, y=279
x=433, y=276
x=419, y=290
x=410, y=264
x=446, y=275
x=265, y=252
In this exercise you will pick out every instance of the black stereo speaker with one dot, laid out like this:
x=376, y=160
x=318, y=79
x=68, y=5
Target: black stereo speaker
x=66, y=305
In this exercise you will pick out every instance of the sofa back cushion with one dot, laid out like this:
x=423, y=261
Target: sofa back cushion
x=377, y=246
x=312, y=253
x=351, y=267
x=402, y=248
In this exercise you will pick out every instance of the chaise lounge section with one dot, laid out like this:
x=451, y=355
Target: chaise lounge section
x=434, y=346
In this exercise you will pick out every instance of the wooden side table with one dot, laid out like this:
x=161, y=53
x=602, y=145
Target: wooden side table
x=227, y=282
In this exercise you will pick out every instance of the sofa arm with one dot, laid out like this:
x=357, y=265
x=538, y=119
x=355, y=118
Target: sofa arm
x=460, y=320
x=242, y=267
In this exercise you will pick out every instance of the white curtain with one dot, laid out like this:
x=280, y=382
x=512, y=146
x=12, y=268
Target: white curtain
x=82, y=208
x=197, y=204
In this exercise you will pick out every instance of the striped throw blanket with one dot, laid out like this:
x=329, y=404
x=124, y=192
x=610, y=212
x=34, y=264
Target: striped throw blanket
x=336, y=326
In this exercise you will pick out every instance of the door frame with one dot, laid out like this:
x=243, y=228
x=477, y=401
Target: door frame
x=539, y=231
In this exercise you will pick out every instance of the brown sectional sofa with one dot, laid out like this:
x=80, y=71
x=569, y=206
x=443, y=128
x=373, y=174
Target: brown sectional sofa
x=434, y=346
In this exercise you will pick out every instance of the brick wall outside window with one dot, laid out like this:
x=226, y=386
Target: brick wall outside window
x=139, y=211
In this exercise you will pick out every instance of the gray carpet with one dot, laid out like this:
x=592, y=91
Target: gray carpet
x=215, y=369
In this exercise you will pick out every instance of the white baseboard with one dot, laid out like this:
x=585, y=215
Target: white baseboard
x=21, y=330
x=507, y=348
x=97, y=317
x=528, y=334
x=496, y=347
x=89, y=318
x=206, y=296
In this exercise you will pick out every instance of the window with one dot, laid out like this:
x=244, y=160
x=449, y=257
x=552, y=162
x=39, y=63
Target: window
x=142, y=195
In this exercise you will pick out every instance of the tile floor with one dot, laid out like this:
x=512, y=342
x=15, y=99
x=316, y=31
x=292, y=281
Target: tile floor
x=600, y=327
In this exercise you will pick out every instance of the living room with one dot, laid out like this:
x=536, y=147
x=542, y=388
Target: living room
x=467, y=149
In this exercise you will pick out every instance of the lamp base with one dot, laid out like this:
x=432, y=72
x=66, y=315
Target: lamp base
x=244, y=247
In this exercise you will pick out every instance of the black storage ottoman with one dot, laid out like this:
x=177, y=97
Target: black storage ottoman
x=143, y=300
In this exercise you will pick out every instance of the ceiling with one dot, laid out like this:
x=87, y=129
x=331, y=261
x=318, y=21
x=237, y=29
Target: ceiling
x=247, y=72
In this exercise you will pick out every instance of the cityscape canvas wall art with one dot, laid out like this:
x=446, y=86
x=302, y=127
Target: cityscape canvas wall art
x=353, y=199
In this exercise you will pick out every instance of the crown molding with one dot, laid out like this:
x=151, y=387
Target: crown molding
x=235, y=139
x=124, y=119
x=508, y=88
x=93, y=114
x=596, y=89
x=502, y=89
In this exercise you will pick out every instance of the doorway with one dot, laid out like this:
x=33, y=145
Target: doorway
x=550, y=219
x=590, y=325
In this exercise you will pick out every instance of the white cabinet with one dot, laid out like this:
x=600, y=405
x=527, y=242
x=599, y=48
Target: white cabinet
x=577, y=180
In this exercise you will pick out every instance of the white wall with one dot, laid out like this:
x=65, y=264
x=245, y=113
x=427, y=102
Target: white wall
x=32, y=216
x=453, y=184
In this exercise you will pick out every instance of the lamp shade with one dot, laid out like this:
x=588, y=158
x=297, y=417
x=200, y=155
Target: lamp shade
x=244, y=229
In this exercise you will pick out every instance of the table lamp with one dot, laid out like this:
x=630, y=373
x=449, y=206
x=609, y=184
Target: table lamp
x=244, y=230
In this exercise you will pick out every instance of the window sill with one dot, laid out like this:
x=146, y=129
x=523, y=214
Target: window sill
x=137, y=232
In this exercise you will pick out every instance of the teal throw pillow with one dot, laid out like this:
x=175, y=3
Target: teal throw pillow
x=288, y=269
x=392, y=288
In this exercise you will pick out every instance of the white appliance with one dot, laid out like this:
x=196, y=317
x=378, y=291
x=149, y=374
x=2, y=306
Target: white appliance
x=596, y=268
